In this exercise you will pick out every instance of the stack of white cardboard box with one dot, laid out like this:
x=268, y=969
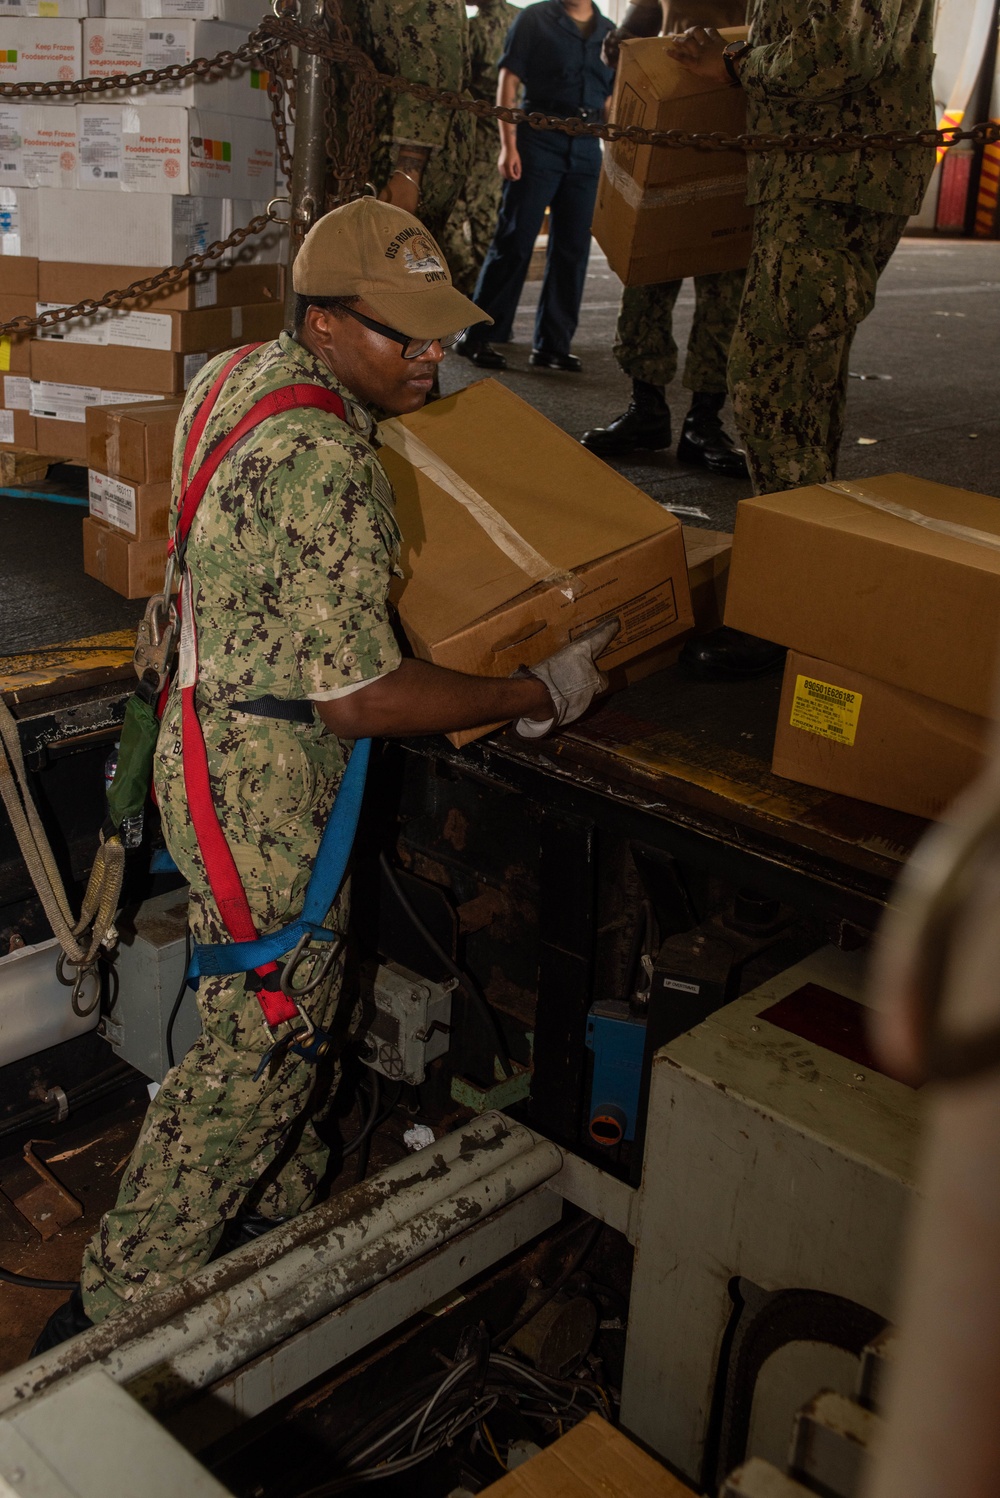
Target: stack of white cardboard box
x=99, y=190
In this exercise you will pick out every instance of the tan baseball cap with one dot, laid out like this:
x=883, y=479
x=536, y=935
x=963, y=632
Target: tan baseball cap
x=384, y=255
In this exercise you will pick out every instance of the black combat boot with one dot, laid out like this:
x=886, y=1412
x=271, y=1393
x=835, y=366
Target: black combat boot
x=704, y=440
x=644, y=427
x=66, y=1322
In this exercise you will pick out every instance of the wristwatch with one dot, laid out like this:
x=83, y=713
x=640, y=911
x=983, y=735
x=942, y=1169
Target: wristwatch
x=731, y=55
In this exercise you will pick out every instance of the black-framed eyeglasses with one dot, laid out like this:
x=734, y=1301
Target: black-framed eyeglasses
x=412, y=347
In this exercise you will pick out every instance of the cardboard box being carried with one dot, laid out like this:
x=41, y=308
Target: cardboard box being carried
x=132, y=568
x=846, y=732
x=894, y=576
x=592, y=1461
x=517, y=540
x=133, y=442
x=663, y=214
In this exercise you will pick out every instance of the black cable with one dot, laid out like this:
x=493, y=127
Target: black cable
x=471, y=987
x=28, y=1282
x=368, y=1127
x=85, y=1092
x=566, y=1273
x=179, y=999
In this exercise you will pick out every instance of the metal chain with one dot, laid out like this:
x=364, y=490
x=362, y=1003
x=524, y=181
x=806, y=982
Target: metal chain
x=112, y=299
x=272, y=43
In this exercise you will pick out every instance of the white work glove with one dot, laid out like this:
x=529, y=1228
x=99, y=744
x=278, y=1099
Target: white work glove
x=572, y=679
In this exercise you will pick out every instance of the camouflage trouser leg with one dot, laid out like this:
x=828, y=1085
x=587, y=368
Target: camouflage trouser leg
x=215, y=1134
x=716, y=308
x=469, y=231
x=811, y=280
x=644, y=338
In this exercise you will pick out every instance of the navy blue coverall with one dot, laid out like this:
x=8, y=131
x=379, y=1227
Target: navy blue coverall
x=563, y=74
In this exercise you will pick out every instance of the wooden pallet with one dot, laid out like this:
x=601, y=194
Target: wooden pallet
x=20, y=465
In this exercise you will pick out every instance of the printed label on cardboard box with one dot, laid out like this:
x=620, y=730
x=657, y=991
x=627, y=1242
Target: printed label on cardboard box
x=192, y=364
x=113, y=46
x=155, y=153
x=93, y=329
x=820, y=707
x=62, y=402
x=100, y=144
x=164, y=47
x=17, y=392
x=127, y=398
x=113, y=501
x=6, y=426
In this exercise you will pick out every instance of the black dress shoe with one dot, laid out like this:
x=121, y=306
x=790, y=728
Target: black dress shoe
x=479, y=352
x=730, y=655
x=569, y=363
x=704, y=440
x=639, y=429
x=64, y=1323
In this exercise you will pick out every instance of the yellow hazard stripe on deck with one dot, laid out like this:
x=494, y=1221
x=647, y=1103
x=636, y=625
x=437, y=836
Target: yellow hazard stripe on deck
x=986, y=225
x=38, y=668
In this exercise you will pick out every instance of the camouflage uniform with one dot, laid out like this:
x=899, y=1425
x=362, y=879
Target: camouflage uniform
x=473, y=219
x=644, y=339
x=424, y=41
x=826, y=224
x=290, y=556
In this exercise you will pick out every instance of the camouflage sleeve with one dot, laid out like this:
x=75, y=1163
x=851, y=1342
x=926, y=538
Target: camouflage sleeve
x=329, y=515
x=840, y=47
x=424, y=41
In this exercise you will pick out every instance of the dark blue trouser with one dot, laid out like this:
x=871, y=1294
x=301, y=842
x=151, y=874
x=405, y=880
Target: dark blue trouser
x=550, y=179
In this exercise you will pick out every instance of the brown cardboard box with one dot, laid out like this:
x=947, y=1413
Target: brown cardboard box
x=228, y=286
x=17, y=429
x=126, y=369
x=140, y=510
x=592, y=1461
x=15, y=348
x=707, y=553
x=848, y=733
x=845, y=581
x=133, y=442
x=464, y=602
x=176, y=332
x=61, y=439
x=663, y=214
x=132, y=568
x=20, y=276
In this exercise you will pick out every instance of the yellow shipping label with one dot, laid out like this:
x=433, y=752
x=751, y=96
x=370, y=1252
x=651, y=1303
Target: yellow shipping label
x=4, y=353
x=819, y=707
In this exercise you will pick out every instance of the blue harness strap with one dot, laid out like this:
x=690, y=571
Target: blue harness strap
x=216, y=960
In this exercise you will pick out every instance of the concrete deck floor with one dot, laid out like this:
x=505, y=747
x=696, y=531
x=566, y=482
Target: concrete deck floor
x=935, y=331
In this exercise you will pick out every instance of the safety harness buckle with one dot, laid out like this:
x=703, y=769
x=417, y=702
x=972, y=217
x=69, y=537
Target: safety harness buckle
x=155, y=637
x=287, y=984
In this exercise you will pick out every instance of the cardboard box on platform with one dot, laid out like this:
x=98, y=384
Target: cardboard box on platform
x=17, y=429
x=516, y=540
x=211, y=328
x=118, y=228
x=141, y=510
x=839, y=572
x=227, y=286
x=593, y=1460
x=169, y=149
x=132, y=568
x=15, y=393
x=61, y=439
x=48, y=9
x=60, y=412
x=663, y=214
x=15, y=348
x=40, y=49
x=245, y=13
x=142, y=371
x=133, y=442
x=18, y=229
x=38, y=146
x=845, y=732
x=118, y=44
x=20, y=273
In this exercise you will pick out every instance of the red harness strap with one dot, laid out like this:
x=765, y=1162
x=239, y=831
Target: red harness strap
x=220, y=867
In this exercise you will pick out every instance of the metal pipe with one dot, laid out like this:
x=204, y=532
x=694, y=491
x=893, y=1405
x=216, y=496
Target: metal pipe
x=308, y=187
x=272, y=1307
x=169, y=1319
